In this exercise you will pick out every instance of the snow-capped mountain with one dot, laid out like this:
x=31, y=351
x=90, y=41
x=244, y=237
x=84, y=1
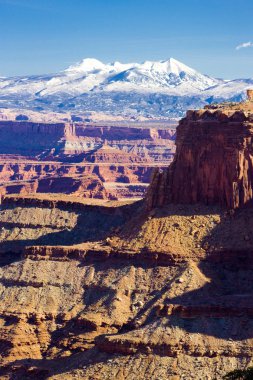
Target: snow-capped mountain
x=163, y=88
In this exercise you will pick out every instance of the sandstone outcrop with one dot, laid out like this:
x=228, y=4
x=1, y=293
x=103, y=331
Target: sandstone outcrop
x=250, y=95
x=213, y=162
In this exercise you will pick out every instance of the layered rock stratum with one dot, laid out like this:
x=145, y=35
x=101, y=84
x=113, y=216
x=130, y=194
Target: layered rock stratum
x=155, y=289
x=90, y=161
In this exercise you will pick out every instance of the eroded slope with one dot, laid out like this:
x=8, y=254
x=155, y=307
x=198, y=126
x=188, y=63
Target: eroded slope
x=123, y=306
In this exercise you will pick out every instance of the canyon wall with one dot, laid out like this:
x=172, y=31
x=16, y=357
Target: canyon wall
x=61, y=140
x=86, y=160
x=213, y=163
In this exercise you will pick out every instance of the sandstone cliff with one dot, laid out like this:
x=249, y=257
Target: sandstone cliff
x=71, y=142
x=213, y=162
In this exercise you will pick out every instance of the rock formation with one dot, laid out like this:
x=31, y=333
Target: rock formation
x=250, y=95
x=213, y=162
x=116, y=291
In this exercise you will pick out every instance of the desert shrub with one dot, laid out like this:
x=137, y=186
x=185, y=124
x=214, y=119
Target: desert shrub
x=240, y=374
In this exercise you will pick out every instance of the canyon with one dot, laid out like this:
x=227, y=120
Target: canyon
x=106, y=162
x=159, y=288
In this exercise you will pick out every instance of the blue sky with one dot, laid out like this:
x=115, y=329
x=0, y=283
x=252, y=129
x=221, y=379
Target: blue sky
x=45, y=36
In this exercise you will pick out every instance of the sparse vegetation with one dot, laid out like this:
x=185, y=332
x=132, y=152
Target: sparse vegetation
x=240, y=374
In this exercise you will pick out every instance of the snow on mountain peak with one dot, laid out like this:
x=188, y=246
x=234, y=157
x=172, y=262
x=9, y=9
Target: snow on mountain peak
x=177, y=67
x=118, y=87
x=167, y=77
x=118, y=66
x=170, y=66
x=86, y=65
x=158, y=76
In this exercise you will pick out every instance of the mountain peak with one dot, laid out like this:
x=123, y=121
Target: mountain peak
x=176, y=67
x=86, y=65
x=165, y=87
x=170, y=66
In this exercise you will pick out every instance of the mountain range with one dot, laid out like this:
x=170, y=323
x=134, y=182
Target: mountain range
x=150, y=89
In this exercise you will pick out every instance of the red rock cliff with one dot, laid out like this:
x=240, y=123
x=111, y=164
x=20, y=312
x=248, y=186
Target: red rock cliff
x=213, y=162
x=62, y=140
